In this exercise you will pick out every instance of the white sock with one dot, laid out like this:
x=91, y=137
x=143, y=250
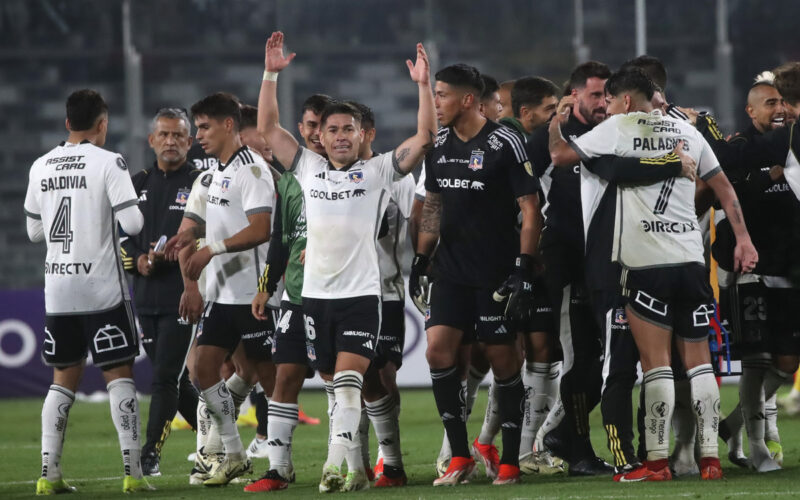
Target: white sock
x=771, y=412
x=345, y=419
x=554, y=418
x=363, y=436
x=280, y=427
x=705, y=400
x=535, y=379
x=491, y=419
x=331, y=405
x=659, y=403
x=383, y=415
x=474, y=379
x=204, y=424
x=773, y=379
x=445, y=452
x=125, y=414
x=239, y=389
x=751, y=400
x=683, y=422
x=223, y=411
x=55, y=413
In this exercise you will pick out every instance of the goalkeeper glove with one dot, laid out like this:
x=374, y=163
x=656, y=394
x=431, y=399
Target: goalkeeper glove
x=518, y=288
x=419, y=282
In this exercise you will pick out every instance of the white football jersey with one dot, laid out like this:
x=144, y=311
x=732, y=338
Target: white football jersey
x=196, y=210
x=241, y=188
x=394, y=249
x=655, y=224
x=343, y=213
x=75, y=189
x=419, y=191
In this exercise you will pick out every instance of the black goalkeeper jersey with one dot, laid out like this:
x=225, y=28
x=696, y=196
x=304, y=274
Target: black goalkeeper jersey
x=479, y=182
x=561, y=186
x=771, y=210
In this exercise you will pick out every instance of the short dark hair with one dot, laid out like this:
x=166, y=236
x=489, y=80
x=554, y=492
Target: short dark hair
x=84, y=107
x=584, y=71
x=461, y=75
x=652, y=67
x=315, y=103
x=787, y=81
x=529, y=91
x=367, y=116
x=631, y=79
x=219, y=106
x=340, y=108
x=249, y=116
x=490, y=86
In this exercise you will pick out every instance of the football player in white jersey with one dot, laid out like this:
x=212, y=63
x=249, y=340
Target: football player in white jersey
x=239, y=202
x=381, y=395
x=657, y=241
x=77, y=194
x=344, y=199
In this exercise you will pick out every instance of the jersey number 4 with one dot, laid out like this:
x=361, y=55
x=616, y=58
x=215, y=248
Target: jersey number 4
x=61, y=229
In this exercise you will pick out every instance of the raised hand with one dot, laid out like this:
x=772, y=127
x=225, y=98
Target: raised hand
x=420, y=70
x=688, y=165
x=274, y=60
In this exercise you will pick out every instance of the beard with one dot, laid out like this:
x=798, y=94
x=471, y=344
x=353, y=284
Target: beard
x=589, y=114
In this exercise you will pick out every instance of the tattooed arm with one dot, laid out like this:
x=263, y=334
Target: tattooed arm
x=428, y=234
x=411, y=152
x=745, y=256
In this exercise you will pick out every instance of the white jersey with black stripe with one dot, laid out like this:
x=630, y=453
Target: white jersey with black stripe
x=655, y=224
x=237, y=190
x=394, y=249
x=343, y=214
x=75, y=190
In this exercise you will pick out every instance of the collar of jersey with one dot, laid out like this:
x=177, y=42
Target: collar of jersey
x=183, y=168
x=343, y=169
x=85, y=141
x=222, y=166
x=476, y=136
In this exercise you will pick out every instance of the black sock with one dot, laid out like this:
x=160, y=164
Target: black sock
x=451, y=401
x=261, y=405
x=510, y=392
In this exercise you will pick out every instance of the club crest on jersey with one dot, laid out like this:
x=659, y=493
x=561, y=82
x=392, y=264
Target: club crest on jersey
x=182, y=197
x=356, y=176
x=476, y=160
x=619, y=317
x=226, y=183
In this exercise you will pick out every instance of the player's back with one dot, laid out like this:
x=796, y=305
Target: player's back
x=75, y=189
x=659, y=217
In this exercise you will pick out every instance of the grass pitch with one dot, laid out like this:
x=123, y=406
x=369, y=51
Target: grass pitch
x=92, y=460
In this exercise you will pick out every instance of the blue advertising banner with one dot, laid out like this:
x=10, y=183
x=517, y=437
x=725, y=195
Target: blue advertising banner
x=22, y=371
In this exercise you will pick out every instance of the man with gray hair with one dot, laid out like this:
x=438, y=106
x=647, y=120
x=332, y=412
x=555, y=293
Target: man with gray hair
x=163, y=190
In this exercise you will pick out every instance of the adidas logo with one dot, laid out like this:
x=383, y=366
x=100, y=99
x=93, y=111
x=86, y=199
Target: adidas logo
x=386, y=442
x=442, y=159
x=367, y=344
x=346, y=435
x=447, y=416
x=502, y=329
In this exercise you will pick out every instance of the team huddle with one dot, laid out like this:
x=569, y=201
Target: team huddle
x=557, y=238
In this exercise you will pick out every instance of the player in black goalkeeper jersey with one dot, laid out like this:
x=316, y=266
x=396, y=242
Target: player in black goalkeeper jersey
x=476, y=175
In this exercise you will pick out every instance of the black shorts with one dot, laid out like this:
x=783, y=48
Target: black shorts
x=744, y=306
x=340, y=325
x=290, y=336
x=109, y=335
x=393, y=334
x=471, y=310
x=542, y=318
x=676, y=298
x=783, y=318
x=225, y=325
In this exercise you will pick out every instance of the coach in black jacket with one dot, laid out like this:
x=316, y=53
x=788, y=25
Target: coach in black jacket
x=163, y=191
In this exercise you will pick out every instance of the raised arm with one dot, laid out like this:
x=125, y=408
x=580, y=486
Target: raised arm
x=411, y=152
x=561, y=154
x=284, y=145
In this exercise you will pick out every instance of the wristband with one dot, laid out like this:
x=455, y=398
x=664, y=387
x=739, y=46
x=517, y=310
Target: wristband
x=270, y=76
x=217, y=247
